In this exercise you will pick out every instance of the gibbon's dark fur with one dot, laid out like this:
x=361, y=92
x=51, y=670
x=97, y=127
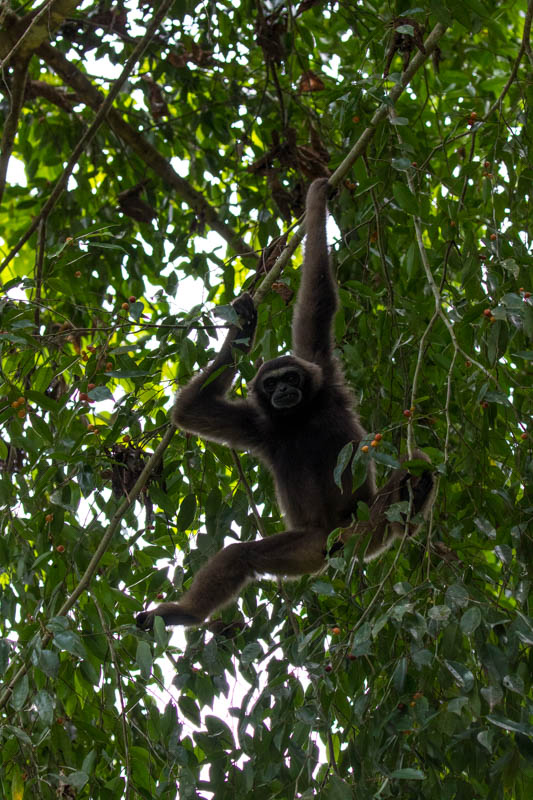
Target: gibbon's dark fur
x=298, y=415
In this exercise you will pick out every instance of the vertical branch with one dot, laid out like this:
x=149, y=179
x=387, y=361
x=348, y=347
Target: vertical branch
x=18, y=87
x=38, y=273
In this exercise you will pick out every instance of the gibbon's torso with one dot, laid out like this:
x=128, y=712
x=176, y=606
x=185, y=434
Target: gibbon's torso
x=302, y=450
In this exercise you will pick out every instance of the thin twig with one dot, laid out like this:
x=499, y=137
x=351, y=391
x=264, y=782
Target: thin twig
x=20, y=41
x=87, y=576
x=91, y=131
x=524, y=47
x=123, y=719
x=39, y=261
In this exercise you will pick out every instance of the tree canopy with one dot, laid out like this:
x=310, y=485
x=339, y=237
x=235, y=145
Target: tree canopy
x=154, y=164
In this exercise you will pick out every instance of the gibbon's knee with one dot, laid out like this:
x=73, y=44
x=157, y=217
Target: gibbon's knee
x=380, y=532
x=291, y=553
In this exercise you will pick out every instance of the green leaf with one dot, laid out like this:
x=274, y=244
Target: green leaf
x=405, y=199
x=408, y=774
x=461, y=674
x=343, y=459
x=186, y=513
x=143, y=657
x=20, y=693
x=45, y=707
x=470, y=621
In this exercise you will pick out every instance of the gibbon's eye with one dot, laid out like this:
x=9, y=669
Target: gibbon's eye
x=269, y=384
x=292, y=378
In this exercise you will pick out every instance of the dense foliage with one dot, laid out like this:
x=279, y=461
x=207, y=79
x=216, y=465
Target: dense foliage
x=122, y=228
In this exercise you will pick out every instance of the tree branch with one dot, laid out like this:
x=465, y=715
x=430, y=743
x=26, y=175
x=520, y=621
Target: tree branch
x=90, y=95
x=26, y=33
x=357, y=150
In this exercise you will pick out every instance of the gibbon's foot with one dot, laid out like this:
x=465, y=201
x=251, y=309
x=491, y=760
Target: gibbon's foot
x=421, y=486
x=171, y=615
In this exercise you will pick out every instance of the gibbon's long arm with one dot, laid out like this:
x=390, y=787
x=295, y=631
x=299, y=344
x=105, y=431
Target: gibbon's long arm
x=202, y=407
x=312, y=325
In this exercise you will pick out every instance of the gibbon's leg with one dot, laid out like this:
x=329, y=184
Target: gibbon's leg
x=291, y=553
x=383, y=532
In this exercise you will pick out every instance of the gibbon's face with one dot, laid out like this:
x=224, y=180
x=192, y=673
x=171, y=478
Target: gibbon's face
x=283, y=387
x=286, y=384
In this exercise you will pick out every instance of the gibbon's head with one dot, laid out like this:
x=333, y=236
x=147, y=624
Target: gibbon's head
x=286, y=384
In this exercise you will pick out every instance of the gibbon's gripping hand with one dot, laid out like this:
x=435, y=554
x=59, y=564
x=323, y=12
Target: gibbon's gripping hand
x=244, y=306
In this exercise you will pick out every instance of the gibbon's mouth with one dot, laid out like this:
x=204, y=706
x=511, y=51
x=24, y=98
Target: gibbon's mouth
x=287, y=399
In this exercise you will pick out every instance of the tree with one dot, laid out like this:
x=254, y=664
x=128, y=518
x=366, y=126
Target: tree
x=159, y=145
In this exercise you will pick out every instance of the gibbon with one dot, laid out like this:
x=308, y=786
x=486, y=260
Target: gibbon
x=297, y=416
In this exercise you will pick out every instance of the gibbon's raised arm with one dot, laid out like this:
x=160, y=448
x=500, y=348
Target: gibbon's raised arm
x=201, y=407
x=312, y=324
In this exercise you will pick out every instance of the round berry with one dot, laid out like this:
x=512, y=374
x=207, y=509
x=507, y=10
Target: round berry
x=60, y=548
